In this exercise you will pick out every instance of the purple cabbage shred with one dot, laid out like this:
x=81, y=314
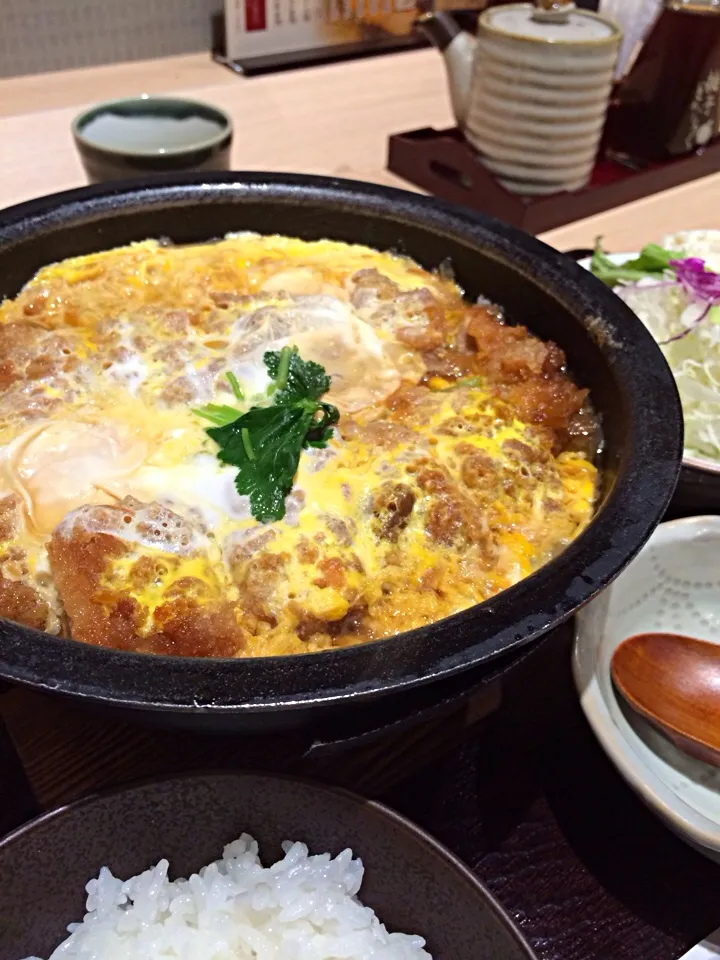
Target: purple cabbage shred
x=704, y=284
x=701, y=283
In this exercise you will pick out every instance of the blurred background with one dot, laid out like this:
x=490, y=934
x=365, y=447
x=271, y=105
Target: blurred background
x=41, y=35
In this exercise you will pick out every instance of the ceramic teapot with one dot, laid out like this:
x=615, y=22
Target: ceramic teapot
x=530, y=91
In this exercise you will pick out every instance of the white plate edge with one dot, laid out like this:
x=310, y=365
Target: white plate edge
x=676, y=812
x=698, y=463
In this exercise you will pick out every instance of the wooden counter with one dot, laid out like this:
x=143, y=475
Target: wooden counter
x=526, y=797
x=332, y=119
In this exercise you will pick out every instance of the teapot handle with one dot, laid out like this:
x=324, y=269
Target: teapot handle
x=439, y=28
x=458, y=49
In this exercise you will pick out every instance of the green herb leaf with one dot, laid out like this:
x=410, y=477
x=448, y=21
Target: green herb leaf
x=266, y=442
x=222, y=413
x=653, y=261
x=295, y=378
x=219, y=414
x=467, y=382
x=235, y=385
x=461, y=382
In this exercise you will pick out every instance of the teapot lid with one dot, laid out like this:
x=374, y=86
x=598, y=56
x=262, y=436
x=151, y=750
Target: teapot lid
x=549, y=21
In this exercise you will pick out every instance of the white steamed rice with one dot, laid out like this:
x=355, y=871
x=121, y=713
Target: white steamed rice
x=301, y=908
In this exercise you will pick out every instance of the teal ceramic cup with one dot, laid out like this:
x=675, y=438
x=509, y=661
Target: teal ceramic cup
x=137, y=136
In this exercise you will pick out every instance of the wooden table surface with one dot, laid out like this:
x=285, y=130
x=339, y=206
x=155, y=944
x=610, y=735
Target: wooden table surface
x=525, y=796
x=332, y=119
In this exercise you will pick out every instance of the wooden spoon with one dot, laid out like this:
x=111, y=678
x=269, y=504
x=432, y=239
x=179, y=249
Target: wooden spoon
x=674, y=682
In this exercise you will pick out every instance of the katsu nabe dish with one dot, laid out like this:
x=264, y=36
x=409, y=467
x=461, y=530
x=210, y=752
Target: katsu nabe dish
x=266, y=446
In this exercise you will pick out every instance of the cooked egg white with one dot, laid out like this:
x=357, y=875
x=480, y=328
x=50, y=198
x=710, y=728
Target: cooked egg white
x=157, y=331
x=324, y=329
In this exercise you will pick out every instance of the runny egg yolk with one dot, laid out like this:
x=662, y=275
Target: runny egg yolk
x=62, y=464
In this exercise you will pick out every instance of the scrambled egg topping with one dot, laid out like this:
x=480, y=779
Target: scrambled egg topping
x=462, y=460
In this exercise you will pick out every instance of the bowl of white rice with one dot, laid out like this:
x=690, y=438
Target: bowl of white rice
x=240, y=866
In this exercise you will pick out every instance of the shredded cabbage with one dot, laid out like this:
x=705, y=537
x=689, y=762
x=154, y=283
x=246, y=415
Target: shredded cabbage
x=688, y=331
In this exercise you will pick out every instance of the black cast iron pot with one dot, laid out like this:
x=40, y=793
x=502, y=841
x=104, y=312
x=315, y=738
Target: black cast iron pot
x=608, y=350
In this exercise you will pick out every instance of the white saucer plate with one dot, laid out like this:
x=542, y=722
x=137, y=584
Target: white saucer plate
x=673, y=586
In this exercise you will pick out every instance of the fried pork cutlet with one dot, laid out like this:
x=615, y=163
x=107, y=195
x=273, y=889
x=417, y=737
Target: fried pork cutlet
x=139, y=577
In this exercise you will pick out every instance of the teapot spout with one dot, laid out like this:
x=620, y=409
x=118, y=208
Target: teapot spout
x=458, y=49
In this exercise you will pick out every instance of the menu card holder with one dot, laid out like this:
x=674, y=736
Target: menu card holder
x=261, y=36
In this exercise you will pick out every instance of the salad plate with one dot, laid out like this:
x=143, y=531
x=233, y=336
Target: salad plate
x=675, y=290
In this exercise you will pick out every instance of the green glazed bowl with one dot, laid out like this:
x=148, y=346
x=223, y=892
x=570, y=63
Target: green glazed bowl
x=136, y=136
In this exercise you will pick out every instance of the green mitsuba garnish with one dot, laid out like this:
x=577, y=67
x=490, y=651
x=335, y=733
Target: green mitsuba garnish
x=266, y=442
x=222, y=413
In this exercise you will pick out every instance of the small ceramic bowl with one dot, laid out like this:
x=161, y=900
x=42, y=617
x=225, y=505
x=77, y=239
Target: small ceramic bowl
x=672, y=586
x=414, y=884
x=136, y=136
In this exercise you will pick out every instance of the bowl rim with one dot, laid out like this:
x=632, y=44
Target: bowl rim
x=647, y=476
x=373, y=807
x=105, y=106
x=702, y=464
x=682, y=817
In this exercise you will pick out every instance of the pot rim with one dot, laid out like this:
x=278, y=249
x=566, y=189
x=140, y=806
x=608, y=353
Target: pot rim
x=644, y=484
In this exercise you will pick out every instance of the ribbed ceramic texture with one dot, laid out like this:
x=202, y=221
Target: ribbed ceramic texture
x=536, y=110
